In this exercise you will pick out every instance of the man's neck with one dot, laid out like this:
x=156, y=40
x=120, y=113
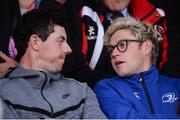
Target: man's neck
x=26, y=4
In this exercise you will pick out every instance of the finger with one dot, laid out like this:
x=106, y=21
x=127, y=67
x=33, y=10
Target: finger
x=6, y=66
x=3, y=66
x=4, y=56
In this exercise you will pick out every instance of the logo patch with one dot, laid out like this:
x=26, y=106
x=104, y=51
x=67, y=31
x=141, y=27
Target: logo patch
x=91, y=30
x=91, y=33
x=65, y=96
x=137, y=95
x=159, y=29
x=169, y=97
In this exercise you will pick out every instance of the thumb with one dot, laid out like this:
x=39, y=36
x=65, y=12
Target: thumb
x=4, y=56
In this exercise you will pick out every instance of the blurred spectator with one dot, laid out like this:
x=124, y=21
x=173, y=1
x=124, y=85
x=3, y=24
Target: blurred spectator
x=89, y=61
x=172, y=66
x=10, y=14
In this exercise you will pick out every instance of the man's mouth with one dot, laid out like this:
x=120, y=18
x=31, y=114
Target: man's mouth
x=119, y=62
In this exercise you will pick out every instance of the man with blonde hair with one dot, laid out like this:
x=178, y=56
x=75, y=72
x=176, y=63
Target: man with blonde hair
x=138, y=91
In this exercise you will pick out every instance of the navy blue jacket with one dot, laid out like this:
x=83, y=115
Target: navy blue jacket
x=143, y=95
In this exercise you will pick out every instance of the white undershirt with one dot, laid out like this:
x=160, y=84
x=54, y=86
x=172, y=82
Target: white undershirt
x=23, y=11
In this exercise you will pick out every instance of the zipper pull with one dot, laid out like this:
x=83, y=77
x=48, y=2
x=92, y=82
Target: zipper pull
x=141, y=79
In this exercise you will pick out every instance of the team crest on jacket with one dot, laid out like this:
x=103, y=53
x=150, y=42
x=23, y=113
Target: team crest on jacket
x=169, y=97
x=159, y=29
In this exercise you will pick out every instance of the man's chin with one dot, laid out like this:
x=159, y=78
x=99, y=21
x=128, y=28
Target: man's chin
x=56, y=71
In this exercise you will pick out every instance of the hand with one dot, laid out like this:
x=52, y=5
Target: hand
x=4, y=67
x=61, y=1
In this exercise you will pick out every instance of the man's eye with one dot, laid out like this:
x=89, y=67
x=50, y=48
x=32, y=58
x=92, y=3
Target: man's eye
x=61, y=40
x=60, y=43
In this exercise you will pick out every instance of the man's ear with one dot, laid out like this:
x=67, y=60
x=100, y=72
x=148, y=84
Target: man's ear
x=147, y=46
x=34, y=42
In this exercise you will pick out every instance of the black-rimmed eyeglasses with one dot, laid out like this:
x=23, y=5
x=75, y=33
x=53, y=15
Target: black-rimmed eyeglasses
x=121, y=45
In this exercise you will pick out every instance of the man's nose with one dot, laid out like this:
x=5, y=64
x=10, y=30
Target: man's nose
x=115, y=53
x=68, y=50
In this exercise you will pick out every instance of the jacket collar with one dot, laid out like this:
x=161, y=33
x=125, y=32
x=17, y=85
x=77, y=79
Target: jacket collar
x=34, y=77
x=150, y=76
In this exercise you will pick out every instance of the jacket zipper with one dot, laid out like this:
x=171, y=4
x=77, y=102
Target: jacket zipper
x=44, y=96
x=147, y=94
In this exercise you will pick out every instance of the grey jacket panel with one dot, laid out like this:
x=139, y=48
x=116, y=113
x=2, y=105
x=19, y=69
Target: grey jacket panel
x=5, y=111
x=34, y=94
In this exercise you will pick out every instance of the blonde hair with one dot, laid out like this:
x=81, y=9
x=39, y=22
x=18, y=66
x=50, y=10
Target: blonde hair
x=141, y=30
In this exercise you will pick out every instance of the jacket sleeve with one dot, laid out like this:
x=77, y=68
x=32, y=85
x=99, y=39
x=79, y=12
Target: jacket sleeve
x=115, y=106
x=92, y=109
